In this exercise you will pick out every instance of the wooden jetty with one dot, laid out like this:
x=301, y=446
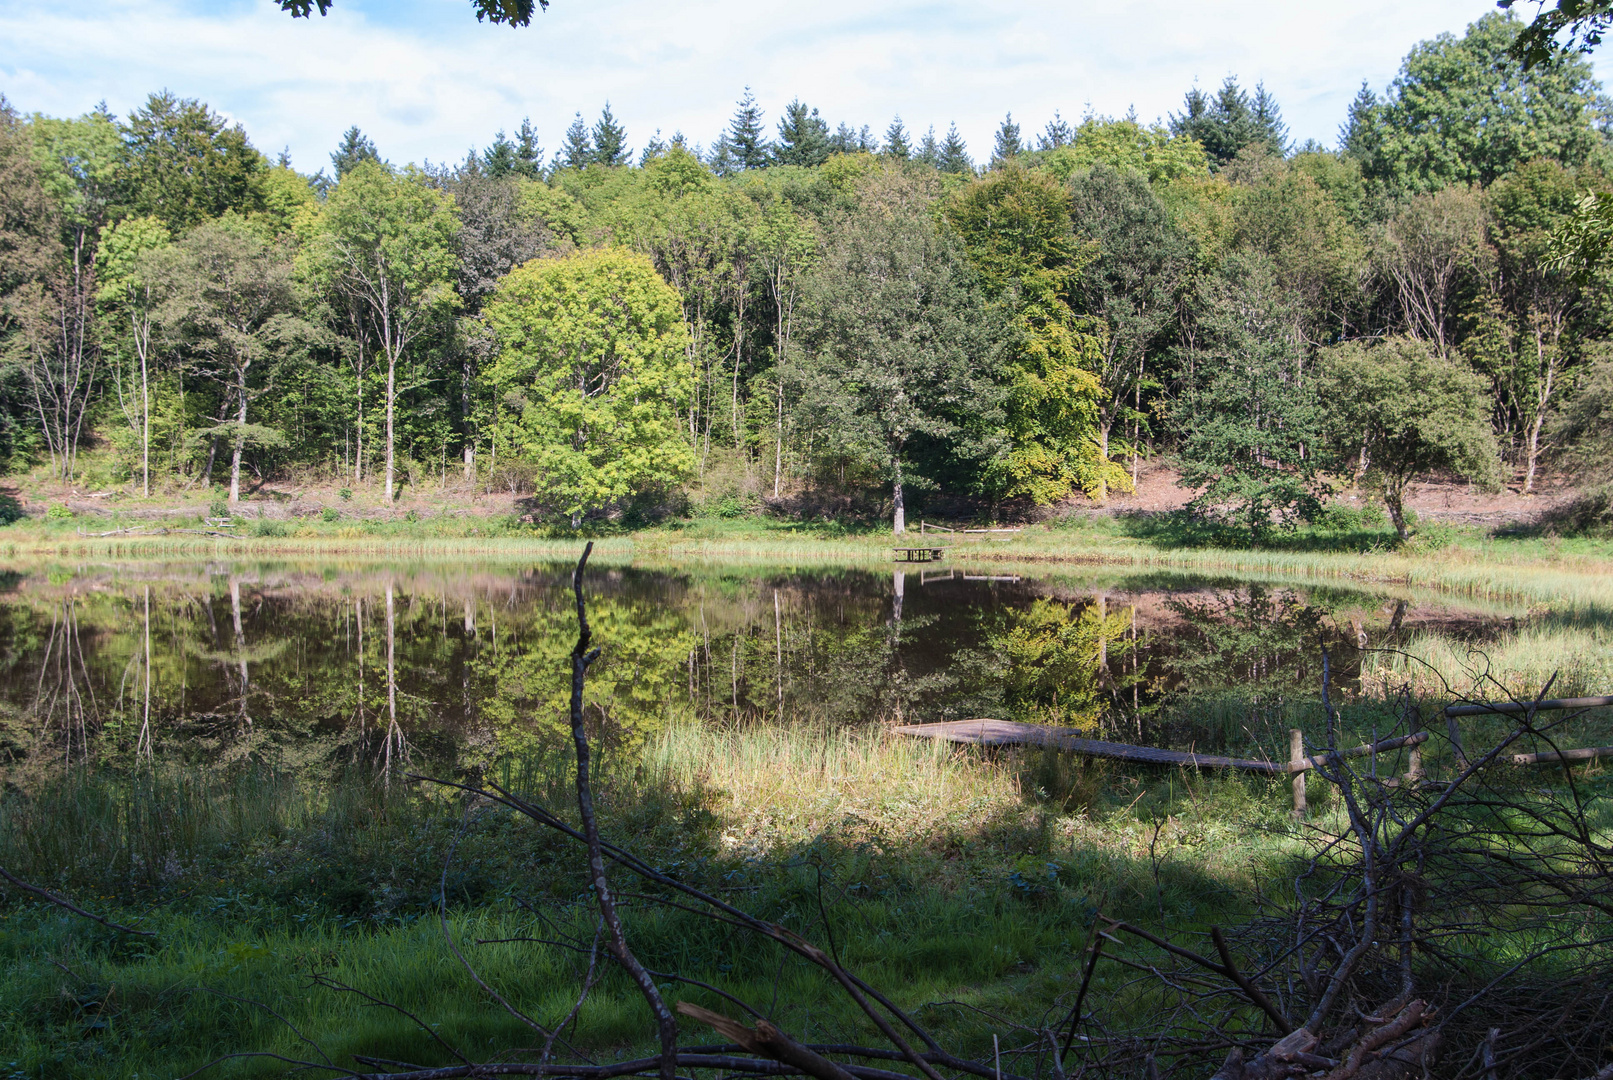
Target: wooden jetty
x=1485, y=708
x=986, y=732
x=919, y=554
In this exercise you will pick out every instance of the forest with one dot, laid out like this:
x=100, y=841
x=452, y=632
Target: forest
x=805, y=319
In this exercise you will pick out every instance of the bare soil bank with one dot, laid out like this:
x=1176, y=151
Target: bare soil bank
x=1158, y=490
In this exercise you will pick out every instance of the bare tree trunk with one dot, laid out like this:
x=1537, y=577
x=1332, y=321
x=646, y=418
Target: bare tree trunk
x=358, y=437
x=1397, y=513
x=240, y=438
x=212, y=445
x=1105, y=422
x=391, y=408
x=899, y=525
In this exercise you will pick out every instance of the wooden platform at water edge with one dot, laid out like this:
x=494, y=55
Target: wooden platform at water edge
x=984, y=732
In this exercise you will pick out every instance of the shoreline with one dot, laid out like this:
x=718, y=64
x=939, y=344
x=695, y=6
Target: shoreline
x=1521, y=571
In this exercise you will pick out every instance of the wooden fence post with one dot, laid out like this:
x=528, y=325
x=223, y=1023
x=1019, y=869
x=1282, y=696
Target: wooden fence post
x=1456, y=742
x=1414, y=766
x=1296, y=762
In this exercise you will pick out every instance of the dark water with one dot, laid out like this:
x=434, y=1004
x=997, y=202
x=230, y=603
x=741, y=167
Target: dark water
x=308, y=666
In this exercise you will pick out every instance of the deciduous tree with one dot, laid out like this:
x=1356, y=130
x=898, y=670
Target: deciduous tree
x=228, y=302
x=593, y=377
x=901, y=342
x=385, y=241
x=1411, y=410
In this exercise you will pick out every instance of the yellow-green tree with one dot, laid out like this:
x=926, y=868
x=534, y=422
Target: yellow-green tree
x=592, y=376
x=1015, y=224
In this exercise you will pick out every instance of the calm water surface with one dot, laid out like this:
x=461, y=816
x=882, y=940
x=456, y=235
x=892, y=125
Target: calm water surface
x=312, y=665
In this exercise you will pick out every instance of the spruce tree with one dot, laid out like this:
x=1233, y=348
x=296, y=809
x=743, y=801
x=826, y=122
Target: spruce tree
x=610, y=140
x=1008, y=145
x=498, y=159
x=745, y=137
x=1230, y=121
x=528, y=154
x=652, y=149
x=577, y=149
x=1268, y=120
x=1358, y=135
x=848, y=140
x=1057, y=133
x=929, y=151
x=954, y=155
x=722, y=160
x=803, y=137
x=354, y=148
x=896, y=144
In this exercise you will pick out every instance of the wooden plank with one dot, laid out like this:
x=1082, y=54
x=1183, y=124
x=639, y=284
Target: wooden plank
x=1549, y=757
x=1490, y=707
x=987, y=732
x=1384, y=746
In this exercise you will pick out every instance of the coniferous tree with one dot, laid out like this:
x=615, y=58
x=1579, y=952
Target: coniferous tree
x=610, y=140
x=722, y=160
x=577, y=150
x=954, y=155
x=528, y=154
x=1230, y=121
x=1057, y=133
x=1008, y=145
x=929, y=151
x=803, y=137
x=498, y=160
x=652, y=149
x=1357, y=138
x=1268, y=119
x=745, y=138
x=896, y=144
x=354, y=148
x=848, y=140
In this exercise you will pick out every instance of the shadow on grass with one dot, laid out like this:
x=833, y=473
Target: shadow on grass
x=254, y=881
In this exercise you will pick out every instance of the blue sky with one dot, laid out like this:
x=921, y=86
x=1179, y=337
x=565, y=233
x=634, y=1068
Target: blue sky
x=426, y=80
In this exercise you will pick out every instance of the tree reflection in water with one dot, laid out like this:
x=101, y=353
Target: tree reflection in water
x=321, y=668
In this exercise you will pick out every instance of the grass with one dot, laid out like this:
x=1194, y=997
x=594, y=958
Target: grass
x=939, y=876
x=1574, y=646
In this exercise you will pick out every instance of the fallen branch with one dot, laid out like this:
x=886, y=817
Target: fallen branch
x=63, y=902
x=765, y=1040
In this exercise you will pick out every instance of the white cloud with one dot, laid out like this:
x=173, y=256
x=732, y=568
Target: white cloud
x=425, y=80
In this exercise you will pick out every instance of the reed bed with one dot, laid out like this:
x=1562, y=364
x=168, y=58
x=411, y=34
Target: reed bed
x=1574, y=647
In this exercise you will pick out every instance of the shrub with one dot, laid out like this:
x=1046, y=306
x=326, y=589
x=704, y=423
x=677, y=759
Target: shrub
x=59, y=513
x=330, y=513
x=345, y=494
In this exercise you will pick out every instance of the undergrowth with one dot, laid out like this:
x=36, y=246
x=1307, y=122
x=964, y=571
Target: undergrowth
x=942, y=877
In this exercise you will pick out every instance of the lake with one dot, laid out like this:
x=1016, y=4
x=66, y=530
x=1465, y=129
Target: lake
x=305, y=666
